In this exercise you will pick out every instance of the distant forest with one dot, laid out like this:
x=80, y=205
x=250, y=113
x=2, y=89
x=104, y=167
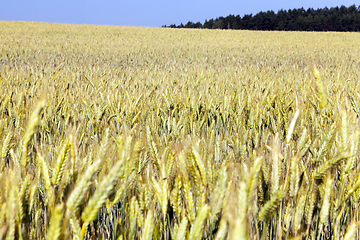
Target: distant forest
x=322, y=19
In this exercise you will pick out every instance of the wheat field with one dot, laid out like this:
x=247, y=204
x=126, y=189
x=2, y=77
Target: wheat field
x=146, y=133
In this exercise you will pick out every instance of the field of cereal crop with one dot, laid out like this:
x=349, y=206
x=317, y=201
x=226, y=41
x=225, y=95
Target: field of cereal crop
x=149, y=133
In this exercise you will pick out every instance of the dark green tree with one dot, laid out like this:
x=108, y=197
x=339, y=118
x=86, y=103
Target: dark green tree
x=322, y=19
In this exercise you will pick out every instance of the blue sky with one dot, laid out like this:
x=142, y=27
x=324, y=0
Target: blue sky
x=145, y=12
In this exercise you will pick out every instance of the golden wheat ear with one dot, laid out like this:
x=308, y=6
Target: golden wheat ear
x=223, y=229
x=196, y=230
x=102, y=192
x=292, y=126
x=60, y=164
x=298, y=214
x=351, y=232
x=148, y=230
x=6, y=146
x=78, y=195
x=254, y=179
x=45, y=173
x=81, y=188
x=134, y=211
x=320, y=89
x=55, y=227
x=325, y=208
x=181, y=231
x=32, y=125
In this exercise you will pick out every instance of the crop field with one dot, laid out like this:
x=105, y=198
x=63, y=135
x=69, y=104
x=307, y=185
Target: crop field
x=150, y=133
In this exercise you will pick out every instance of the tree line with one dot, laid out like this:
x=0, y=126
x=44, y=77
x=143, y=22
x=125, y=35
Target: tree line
x=322, y=19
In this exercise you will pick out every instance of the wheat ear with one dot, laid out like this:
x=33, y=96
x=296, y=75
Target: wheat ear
x=199, y=162
x=217, y=198
x=324, y=214
x=195, y=232
x=134, y=210
x=78, y=195
x=33, y=123
x=254, y=179
x=354, y=104
x=12, y=211
x=181, y=231
x=223, y=228
x=320, y=172
x=54, y=231
x=275, y=165
x=294, y=177
x=44, y=172
x=60, y=164
x=325, y=146
x=320, y=88
x=147, y=233
x=351, y=232
x=6, y=145
x=269, y=208
x=292, y=126
x=102, y=192
x=23, y=197
x=75, y=226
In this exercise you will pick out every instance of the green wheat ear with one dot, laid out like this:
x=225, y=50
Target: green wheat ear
x=270, y=207
x=320, y=172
